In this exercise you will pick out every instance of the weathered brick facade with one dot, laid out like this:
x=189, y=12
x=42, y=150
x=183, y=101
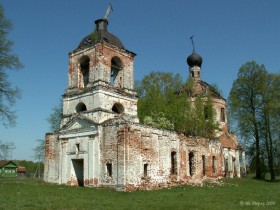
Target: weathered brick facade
x=100, y=141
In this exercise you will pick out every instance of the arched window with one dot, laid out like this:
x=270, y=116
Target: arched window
x=192, y=74
x=118, y=108
x=84, y=65
x=116, y=66
x=81, y=107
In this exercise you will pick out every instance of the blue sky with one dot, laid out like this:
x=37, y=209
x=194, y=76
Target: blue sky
x=227, y=34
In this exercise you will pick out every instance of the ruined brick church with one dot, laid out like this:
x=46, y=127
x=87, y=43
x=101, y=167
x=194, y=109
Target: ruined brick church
x=101, y=143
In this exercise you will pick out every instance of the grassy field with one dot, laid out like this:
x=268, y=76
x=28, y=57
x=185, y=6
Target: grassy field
x=233, y=194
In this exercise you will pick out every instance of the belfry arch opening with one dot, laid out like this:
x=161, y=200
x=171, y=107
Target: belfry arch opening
x=84, y=66
x=118, y=108
x=81, y=107
x=116, y=67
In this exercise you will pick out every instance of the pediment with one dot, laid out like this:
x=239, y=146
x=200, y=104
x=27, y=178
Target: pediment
x=79, y=123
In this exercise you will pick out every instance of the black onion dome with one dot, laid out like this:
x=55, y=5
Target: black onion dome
x=194, y=60
x=100, y=34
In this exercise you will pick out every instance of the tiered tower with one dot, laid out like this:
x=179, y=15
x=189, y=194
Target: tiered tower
x=100, y=79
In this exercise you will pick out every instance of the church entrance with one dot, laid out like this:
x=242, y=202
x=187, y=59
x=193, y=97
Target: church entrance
x=78, y=165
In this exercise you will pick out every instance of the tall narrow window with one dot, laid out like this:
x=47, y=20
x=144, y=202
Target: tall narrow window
x=77, y=149
x=84, y=65
x=109, y=169
x=206, y=113
x=191, y=163
x=173, y=163
x=145, y=170
x=223, y=117
x=203, y=165
x=116, y=66
x=234, y=166
x=214, y=165
x=226, y=166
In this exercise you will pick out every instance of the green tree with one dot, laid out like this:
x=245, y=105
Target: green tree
x=8, y=61
x=158, y=120
x=270, y=119
x=6, y=149
x=166, y=102
x=180, y=111
x=55, y=117
x=217, y=89
x=154, y=93
x=39, y=150
x=39, y=155
x=246, y=104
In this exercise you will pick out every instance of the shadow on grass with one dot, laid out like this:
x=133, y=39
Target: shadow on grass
x=264, y=178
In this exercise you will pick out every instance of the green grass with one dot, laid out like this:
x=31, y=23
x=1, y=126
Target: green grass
x=234, y=194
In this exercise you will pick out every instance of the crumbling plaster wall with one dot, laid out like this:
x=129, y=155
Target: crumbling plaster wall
x=60, y=154
x=218, y=104
x=232, y=162
x=129, y=147
x=51, y=164
x=100, y=57
x=99, y=105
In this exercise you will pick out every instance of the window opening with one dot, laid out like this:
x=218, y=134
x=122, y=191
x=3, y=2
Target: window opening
x=203, y=165
x=234, y=166
x=226, y=166
x=214, y=165
x=118, y=108
x=81, y=107
x=109, y=169
x=173, y=163
x=145, y=170
x=84, y=65
x=191, y=163
x=206, y=113
x=116, y=66
x=223, y=118
x=77, y=149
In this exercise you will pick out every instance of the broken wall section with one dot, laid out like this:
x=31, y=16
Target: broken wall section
x=141, y=157
x=52, y=157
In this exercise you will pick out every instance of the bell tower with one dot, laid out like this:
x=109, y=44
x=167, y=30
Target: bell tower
x=100, y=79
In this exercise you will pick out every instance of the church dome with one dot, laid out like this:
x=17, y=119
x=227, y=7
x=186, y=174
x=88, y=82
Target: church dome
x=194, y=60
x=100, y=34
